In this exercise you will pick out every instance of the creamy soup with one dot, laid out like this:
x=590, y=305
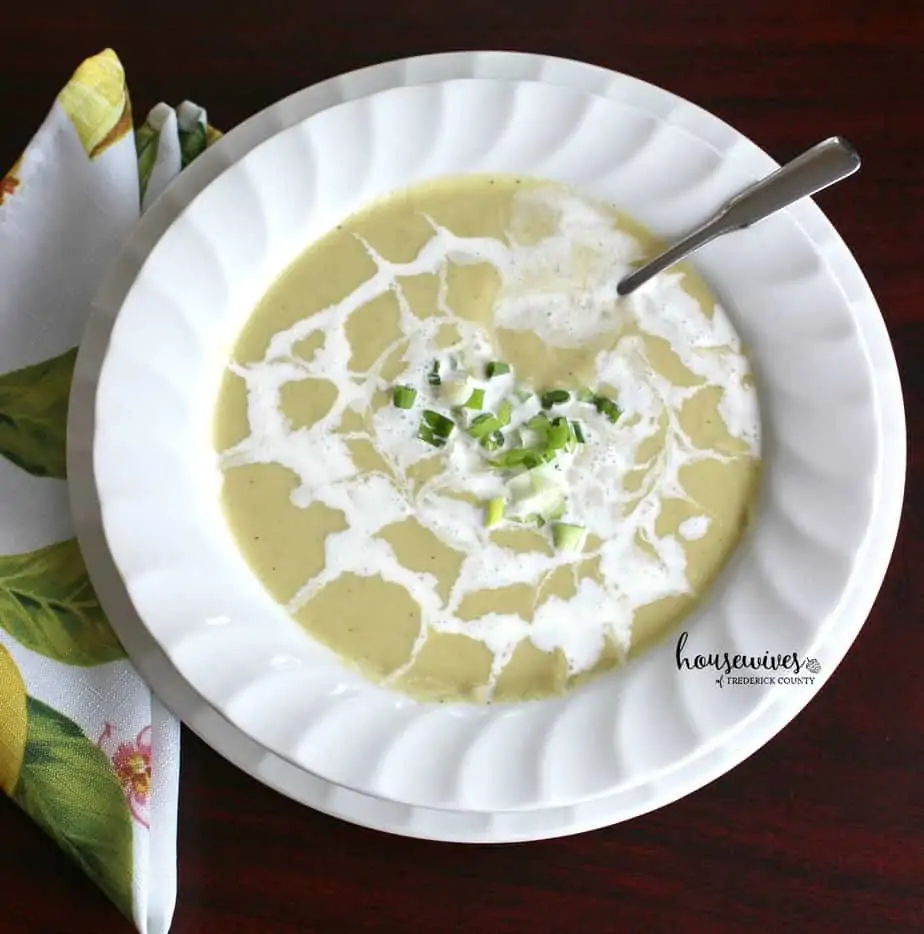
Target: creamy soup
x=465, y=465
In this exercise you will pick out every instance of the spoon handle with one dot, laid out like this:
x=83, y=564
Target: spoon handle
x=817, y=168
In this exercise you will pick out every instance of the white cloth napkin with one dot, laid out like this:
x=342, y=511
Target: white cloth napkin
x=85, y=748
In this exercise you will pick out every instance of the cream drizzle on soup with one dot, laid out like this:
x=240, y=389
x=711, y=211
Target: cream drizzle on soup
x=376, y=541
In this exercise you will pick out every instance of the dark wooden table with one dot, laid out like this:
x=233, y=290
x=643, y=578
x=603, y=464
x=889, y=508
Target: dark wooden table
x=822, y=830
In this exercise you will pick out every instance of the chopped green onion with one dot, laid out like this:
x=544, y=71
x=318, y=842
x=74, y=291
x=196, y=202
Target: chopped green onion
x=439, y=424
x=428, y=435
x=529, y=460
x=578, y=432
x=475, y=400
x=404, y=396
x=522, y=395
x=433, y=377
x=607, y=407
x=493, y=441
x=534, y=459
x=559, y=434
x=496, y=368
x=434, y=428
x=585, y=395
x=494, y=511
x=568, y=537
x=554, y=397
x=510, y=459
x=539, y=423
x=483, y=425
x=487, y=424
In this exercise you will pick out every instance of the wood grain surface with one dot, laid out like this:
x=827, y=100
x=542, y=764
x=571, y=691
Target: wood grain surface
x=820, y=831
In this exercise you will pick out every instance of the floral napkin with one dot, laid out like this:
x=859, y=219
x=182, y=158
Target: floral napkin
x=85, y=749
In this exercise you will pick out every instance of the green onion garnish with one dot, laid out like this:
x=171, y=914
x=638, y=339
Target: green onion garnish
x=475, y=400
x=493, y=442
x=535, y=492
x=607, y=407
x=487, y=424
x=535, y=459
x=510, y=459
x=568, y=537
x=483, y=425
x=434, y=428
x=428, y=435
x=554, y=397
x=494, y=511
x=559, y=434
x=521, y=457
x=404, y=396
x=439, y=424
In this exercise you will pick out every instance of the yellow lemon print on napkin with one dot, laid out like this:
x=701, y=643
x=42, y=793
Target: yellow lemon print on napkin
x=12, y=721
x=96, y=100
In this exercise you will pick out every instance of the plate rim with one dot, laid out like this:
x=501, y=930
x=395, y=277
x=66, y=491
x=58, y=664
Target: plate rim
x=271, y=114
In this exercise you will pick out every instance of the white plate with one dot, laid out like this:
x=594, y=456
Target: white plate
x=836, y=638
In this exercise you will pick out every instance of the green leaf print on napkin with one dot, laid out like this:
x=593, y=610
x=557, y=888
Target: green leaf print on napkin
x=48, y=605
x=147, y=140
x=33, y=415
x=69, y=788
x=193, y=143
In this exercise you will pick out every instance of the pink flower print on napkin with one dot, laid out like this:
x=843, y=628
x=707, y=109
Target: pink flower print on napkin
x=131, y=763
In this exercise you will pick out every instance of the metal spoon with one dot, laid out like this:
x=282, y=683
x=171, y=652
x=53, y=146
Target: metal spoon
x=818, y=168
